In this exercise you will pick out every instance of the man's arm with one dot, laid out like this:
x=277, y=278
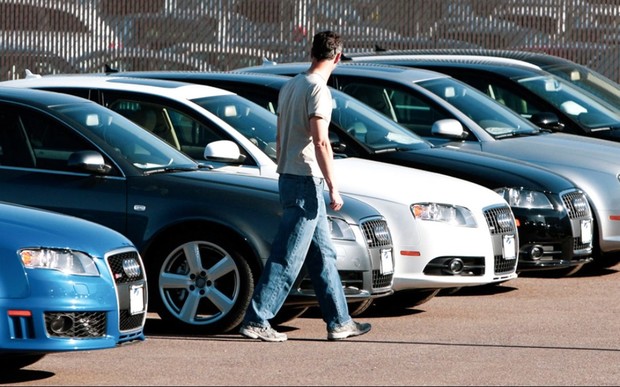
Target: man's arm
x=319, y=129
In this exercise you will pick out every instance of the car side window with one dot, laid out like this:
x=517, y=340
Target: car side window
x=31, y=139
x=176, y=128
x=400, y=106
x=504, y=95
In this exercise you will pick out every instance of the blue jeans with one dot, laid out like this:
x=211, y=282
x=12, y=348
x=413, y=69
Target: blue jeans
x=303, y=236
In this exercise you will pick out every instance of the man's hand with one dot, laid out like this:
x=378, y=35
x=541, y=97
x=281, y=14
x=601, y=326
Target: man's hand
x=336, y=201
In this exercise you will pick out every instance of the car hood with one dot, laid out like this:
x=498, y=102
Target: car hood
x=561, y=151
x=194, y=182
x=365, y=178
x=22, y=227
x=489, y=170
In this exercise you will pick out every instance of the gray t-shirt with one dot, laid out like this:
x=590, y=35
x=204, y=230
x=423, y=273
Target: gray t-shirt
x=304, y=96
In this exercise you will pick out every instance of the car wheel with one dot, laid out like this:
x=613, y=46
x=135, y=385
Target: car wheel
x=357, y=308
x=203, y=283
x=16, y=362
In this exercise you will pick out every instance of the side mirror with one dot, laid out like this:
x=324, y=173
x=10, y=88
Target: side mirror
x=449, y=128
x=337, y=146
x=90, y=161
x=224, y=151
x=547, y=120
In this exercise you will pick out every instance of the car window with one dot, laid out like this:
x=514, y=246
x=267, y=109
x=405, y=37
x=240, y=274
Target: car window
x=177, y=128
x=32, y=139
x=507, y=96
x=399, y=105
x=250, y=119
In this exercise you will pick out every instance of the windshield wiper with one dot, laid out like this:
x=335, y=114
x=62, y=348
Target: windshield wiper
x=175, y=169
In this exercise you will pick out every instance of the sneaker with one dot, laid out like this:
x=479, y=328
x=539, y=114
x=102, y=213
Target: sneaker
x=348, y=330
x=263, y=333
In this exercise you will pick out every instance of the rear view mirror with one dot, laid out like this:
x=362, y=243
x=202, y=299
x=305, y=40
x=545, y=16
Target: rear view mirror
x=89, y=161
x=224, y=151
x=449, y=128
x=547, y=120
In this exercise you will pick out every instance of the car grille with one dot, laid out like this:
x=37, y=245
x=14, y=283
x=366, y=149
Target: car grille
x=377, y=233
x=123, y=279
x=381, y=280
x=76, y=325
x=21, y=327
x=569, y=199
x=501, y=222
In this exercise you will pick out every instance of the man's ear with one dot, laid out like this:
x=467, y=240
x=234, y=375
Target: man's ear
x=337, y=57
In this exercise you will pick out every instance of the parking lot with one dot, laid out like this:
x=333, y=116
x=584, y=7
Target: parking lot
x=530, y=331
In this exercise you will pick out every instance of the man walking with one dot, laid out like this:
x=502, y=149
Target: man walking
x=305, y=164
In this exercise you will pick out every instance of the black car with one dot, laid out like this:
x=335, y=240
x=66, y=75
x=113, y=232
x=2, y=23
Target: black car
x=204, y=235
x=549, y=101
x=549, y=235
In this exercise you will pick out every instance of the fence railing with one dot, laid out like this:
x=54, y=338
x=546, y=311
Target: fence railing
x=69, y=36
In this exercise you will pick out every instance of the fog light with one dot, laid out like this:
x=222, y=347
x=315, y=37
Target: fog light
x=61, y=324
x=536, y=252
x=455, y=266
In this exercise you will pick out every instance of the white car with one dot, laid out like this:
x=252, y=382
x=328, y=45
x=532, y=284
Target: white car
x=446, y=232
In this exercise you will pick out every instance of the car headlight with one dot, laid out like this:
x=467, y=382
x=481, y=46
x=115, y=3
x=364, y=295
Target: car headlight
x=67, y=261
x=340, y=229
x=447, y=213
x=524, y=198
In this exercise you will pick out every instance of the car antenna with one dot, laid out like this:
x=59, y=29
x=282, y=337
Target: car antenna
x=30, y=75
x=268, y=62
x=109, y=69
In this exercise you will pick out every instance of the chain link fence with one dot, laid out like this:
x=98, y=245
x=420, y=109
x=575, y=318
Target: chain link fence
x=80, y=36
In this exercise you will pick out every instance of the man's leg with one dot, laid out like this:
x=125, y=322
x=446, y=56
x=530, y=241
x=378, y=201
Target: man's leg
x=288, y=250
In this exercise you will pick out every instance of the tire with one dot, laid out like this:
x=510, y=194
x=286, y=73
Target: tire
x=288, y=313
x=16, y=362
x=207, y=293
x=357, y=308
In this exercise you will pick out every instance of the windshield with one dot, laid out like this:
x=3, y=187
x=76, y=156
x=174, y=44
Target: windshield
x=371, y=128
x=587, y=79
x=143, y=149
x=253, y=121
x=494, y=118
x=583, y=108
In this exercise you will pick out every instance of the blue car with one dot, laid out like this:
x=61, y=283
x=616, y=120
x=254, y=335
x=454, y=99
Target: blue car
x=66, y=284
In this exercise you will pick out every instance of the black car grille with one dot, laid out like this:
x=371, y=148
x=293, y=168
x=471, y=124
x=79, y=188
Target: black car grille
x=76, y=325
x=503, y=266
x=381, y=280
x=116, y=265
x=124, y=278
x=578, y=245
x=573, y=212
x=377, y=233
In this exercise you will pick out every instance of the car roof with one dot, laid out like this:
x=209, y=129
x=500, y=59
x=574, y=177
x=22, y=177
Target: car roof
x=506, y=66
x=374, y=70
x=40, y=98
x=192, y=76
x=178, y=90
x=538, y=59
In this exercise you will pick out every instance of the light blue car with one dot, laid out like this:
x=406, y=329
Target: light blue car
x=66, y=284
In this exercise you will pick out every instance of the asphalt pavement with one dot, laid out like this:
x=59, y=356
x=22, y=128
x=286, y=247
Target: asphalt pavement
x=535, y=330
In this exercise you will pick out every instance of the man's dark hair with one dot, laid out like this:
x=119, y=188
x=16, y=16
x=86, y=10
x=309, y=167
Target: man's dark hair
x=326, y=45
